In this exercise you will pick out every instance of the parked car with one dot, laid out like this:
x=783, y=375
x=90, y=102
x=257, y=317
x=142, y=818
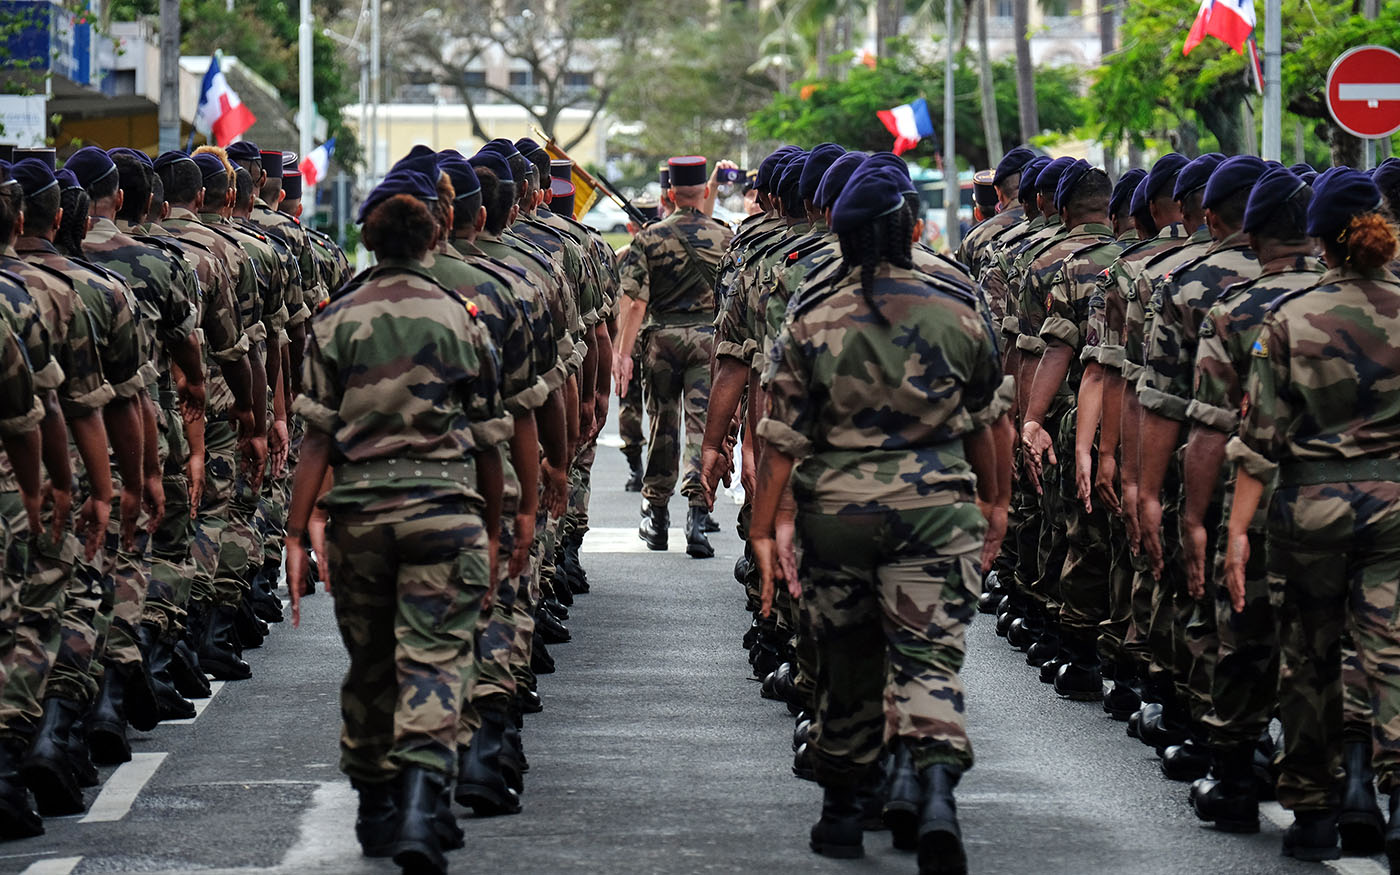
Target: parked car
x=607, y=217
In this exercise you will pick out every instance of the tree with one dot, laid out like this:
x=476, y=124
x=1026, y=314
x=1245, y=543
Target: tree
x=1026, y=109
x=991, y=127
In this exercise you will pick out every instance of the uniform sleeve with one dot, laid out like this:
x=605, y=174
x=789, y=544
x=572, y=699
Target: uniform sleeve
x=321, y=389
x=521, y=387
x=248, y=291
x=1268, y=404
x=124, y=357
x=1062, y=321
x=179, y=314
x=85, y=389
x=1114, y=302
x=1027, y=340
x=1215, y=402
x=225, y=341
x=21, y=411
x=635, y=276
x=1164, y=386
x=38, y=348
x=489, y=423
x=790, y=423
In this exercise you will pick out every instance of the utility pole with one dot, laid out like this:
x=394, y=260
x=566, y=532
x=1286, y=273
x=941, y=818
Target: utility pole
x=372, y=141
x=307, y=117
x=1273, y=81
x=1371, y=9
x=169, y=75
x=950, y=159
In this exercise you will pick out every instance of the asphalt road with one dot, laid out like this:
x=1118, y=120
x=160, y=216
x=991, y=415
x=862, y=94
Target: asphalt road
x=654, y=753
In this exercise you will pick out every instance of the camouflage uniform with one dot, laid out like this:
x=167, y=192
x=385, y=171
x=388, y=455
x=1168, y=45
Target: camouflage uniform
x=1244, y=686
x=977, y=248
x=1327, y=426
x=888, y=529
x=1179, y=305
x=408, y=551
x=674, y=275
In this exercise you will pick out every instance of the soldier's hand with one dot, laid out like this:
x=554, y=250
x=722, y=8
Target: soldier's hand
x=278, y=444
x=296, y=573
x=62, y=513
x=996, y=516
x=1084, y=479
x=556, y=489
x=192, y=400
x=1150, y=531
x=130, y=510
x=92, y=525
x=748, y=471
x=1130, y=517
x=713, y=462
x=153, y=500
x=194, y=473
x=1236, y=558
x=1193, y=545
x=765, y=551
x=622, y=370
x=1037, y=449
x=524, y=538
x=786, y=537
x=254, y=453
x=1103, y=483
x=33, y=507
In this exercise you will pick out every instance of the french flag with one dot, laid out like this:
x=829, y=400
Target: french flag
x=314, y=166
x=908, y=123
x=1230, y=21
x=220, y=113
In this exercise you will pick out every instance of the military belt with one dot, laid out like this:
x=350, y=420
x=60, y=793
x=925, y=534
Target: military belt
x=454, y=470
x=680, y=320
x=1313, y=473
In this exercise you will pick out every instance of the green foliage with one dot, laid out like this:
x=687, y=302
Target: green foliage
x=843, y=110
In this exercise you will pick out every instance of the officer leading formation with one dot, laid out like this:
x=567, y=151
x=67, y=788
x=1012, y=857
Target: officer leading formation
x=1148, y=425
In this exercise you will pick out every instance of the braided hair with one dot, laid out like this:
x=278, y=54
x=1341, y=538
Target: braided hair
x=72, y=228
x=888, y=239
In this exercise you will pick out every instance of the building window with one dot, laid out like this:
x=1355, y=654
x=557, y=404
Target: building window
x=578, y=80
x=519, y=78
x=1005, y=8
x=474, y=78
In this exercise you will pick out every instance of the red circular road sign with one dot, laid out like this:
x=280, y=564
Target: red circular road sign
x=1363, y=91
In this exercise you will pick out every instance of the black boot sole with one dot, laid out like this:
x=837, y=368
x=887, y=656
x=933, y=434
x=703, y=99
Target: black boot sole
x=220, y=671
x=696, y=550
x=903, y=822
x=419, y=857
x=485, y=802
x=1314, y=855
x=941, y=853
x=55, y=788
x=1392, y=852
x=837, y=852
x=108, y=745
x=189, y=680
x=18, y=822
x=1363, y=833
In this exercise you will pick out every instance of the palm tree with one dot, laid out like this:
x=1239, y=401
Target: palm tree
x=1025, y=70
x=991, y=126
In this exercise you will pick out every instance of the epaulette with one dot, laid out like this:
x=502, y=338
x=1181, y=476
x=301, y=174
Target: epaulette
x=1090, y=247
x=519, y=272
x=165, y=244
x=101, y=271
x=1163, y=254
x=817, y=290
x=67, y=280
x=1136, y=245
x=806, y=248
x=1288, y=296
x=12, y=277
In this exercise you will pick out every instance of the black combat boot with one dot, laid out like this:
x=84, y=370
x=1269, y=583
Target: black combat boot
x=1079, y=679
x=578, y=576
x=802, y=763
x=18, y=819
x=549, y=630
x=377, y=821
x=217, y=653
x=106, y=723
x=1123, y=699
x=48, y=767
x=1188, y=761
x=1392, y=834
x=1007, y=613
x=266, y=605
x=940, y=838
x=1046, y=647
x=1024, y=631
x=418, y=847
x=634, y=469
x=655, y=527
x=872, y=794
x=839, y=834
x=1227, y=798
x=250, y=630
x=1312, y=837
x=1164, y=727
x=1359, y=821
x=711, y=524
x=186, y=673
x=555, y=607
x=801, y=731
x=170, y=705
x=139, y=705
x=697, y=543
x=540, y=660
x=481, y=780
x=992, y=592
x=904, y=798
x=513, y=751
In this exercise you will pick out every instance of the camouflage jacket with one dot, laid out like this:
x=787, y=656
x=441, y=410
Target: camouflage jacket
x=1322, y=375
x=597, y=256
x=271, y=271
x=82, y=389
x=1039, y=276
x=544, y=350
x=568, y=257
x=488, y=297
x=334, y=266
x=808, y=256
x=403, y=379
x=21, y=411
x=736, y=320
x=875, y=409
x=166, y=289
x=1137, y=307
x=112, y=314
x=293, y=296
x=22, y=315
x=287, y=229
x=1115, y=284
x=1228, y=333
x=1179, y=305
x=733, y=259
x=1072, y=290
x=676, y=286
x=976, y=250
x=249, y=283
x=564, y=322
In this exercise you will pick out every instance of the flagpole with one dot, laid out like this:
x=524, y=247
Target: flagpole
x=1273, y=80
x=307, y=117
x=951, y=230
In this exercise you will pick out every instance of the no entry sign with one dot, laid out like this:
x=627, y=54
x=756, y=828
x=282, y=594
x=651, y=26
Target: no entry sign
x=1363, y=91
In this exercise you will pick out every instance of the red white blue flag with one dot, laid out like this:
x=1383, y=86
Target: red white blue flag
x=1230, y=21
x=909, y=123
x=220, y=113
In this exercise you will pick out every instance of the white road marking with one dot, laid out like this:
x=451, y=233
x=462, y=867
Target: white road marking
x=54, y=866
x=1283, y=819
x=327, y=828
x=121, y=790
x=610, y=439
x=199, y=706
x=626, y=540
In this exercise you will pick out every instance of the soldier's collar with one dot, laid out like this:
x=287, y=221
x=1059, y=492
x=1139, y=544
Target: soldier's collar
x=485, y=236
x=1090, y=228
x=183, y=213
x=211, y=218
x=1200, y=235
x=1293, y=262
x=405, y=264
x=467, y=247
x=1175, y=229
x=34, y=244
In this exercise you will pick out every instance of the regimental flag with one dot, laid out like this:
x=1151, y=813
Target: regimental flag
x=220, y=113
x=909, y=123
x=314, y=166
x=586, y=190
x=1230, y=21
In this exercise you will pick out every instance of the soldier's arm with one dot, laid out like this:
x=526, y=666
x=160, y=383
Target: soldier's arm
x=604, y=381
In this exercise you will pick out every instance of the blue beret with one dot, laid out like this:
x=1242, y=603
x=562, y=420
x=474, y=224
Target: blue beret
x=765, y=168
x=420, y=158
x=1163, y=175
x=687, y=170
x=1302, y=167
x=133, y=153
x=396, y=182
x=1012, y=162
x=836, y=177
x=493, y=161
x=1272, y=192
x=1387, y=174
x=1069, y=178
x=463, y=177
x=1233, y=174
x=528, y=147
x=1125, y=189
x=291, y=184
x=1049, y=176
x=1029, y=174
x=66, y=179
x=243, y=151
x=888, y=160
x=1196, y=174
x=210, y=165
x=167, y=159
x=502, y=145
x=1138, y=205
x=792, y=175
x=868, y=195
x=821, y=158
x=90, y=165
x=34, y=176
x=1339, y=195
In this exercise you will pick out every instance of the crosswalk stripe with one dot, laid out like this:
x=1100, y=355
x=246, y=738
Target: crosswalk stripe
x=121, y=790
x=199, y=706
x=53, y=866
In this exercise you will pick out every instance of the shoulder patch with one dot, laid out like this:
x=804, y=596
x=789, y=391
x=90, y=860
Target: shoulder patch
x=1260, y=348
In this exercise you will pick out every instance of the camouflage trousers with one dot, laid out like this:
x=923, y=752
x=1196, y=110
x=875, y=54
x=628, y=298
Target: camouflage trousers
x=580, y=491
x=1244, y=685
x=889, y=595
x=490, y=673
x=629, y=414
x=677, y=369
x=1084, y=577
x=408, y=591
x=172, y=565
x=1114, y=629
x=227, y=541
x=1334, y=566
x=38, y=623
